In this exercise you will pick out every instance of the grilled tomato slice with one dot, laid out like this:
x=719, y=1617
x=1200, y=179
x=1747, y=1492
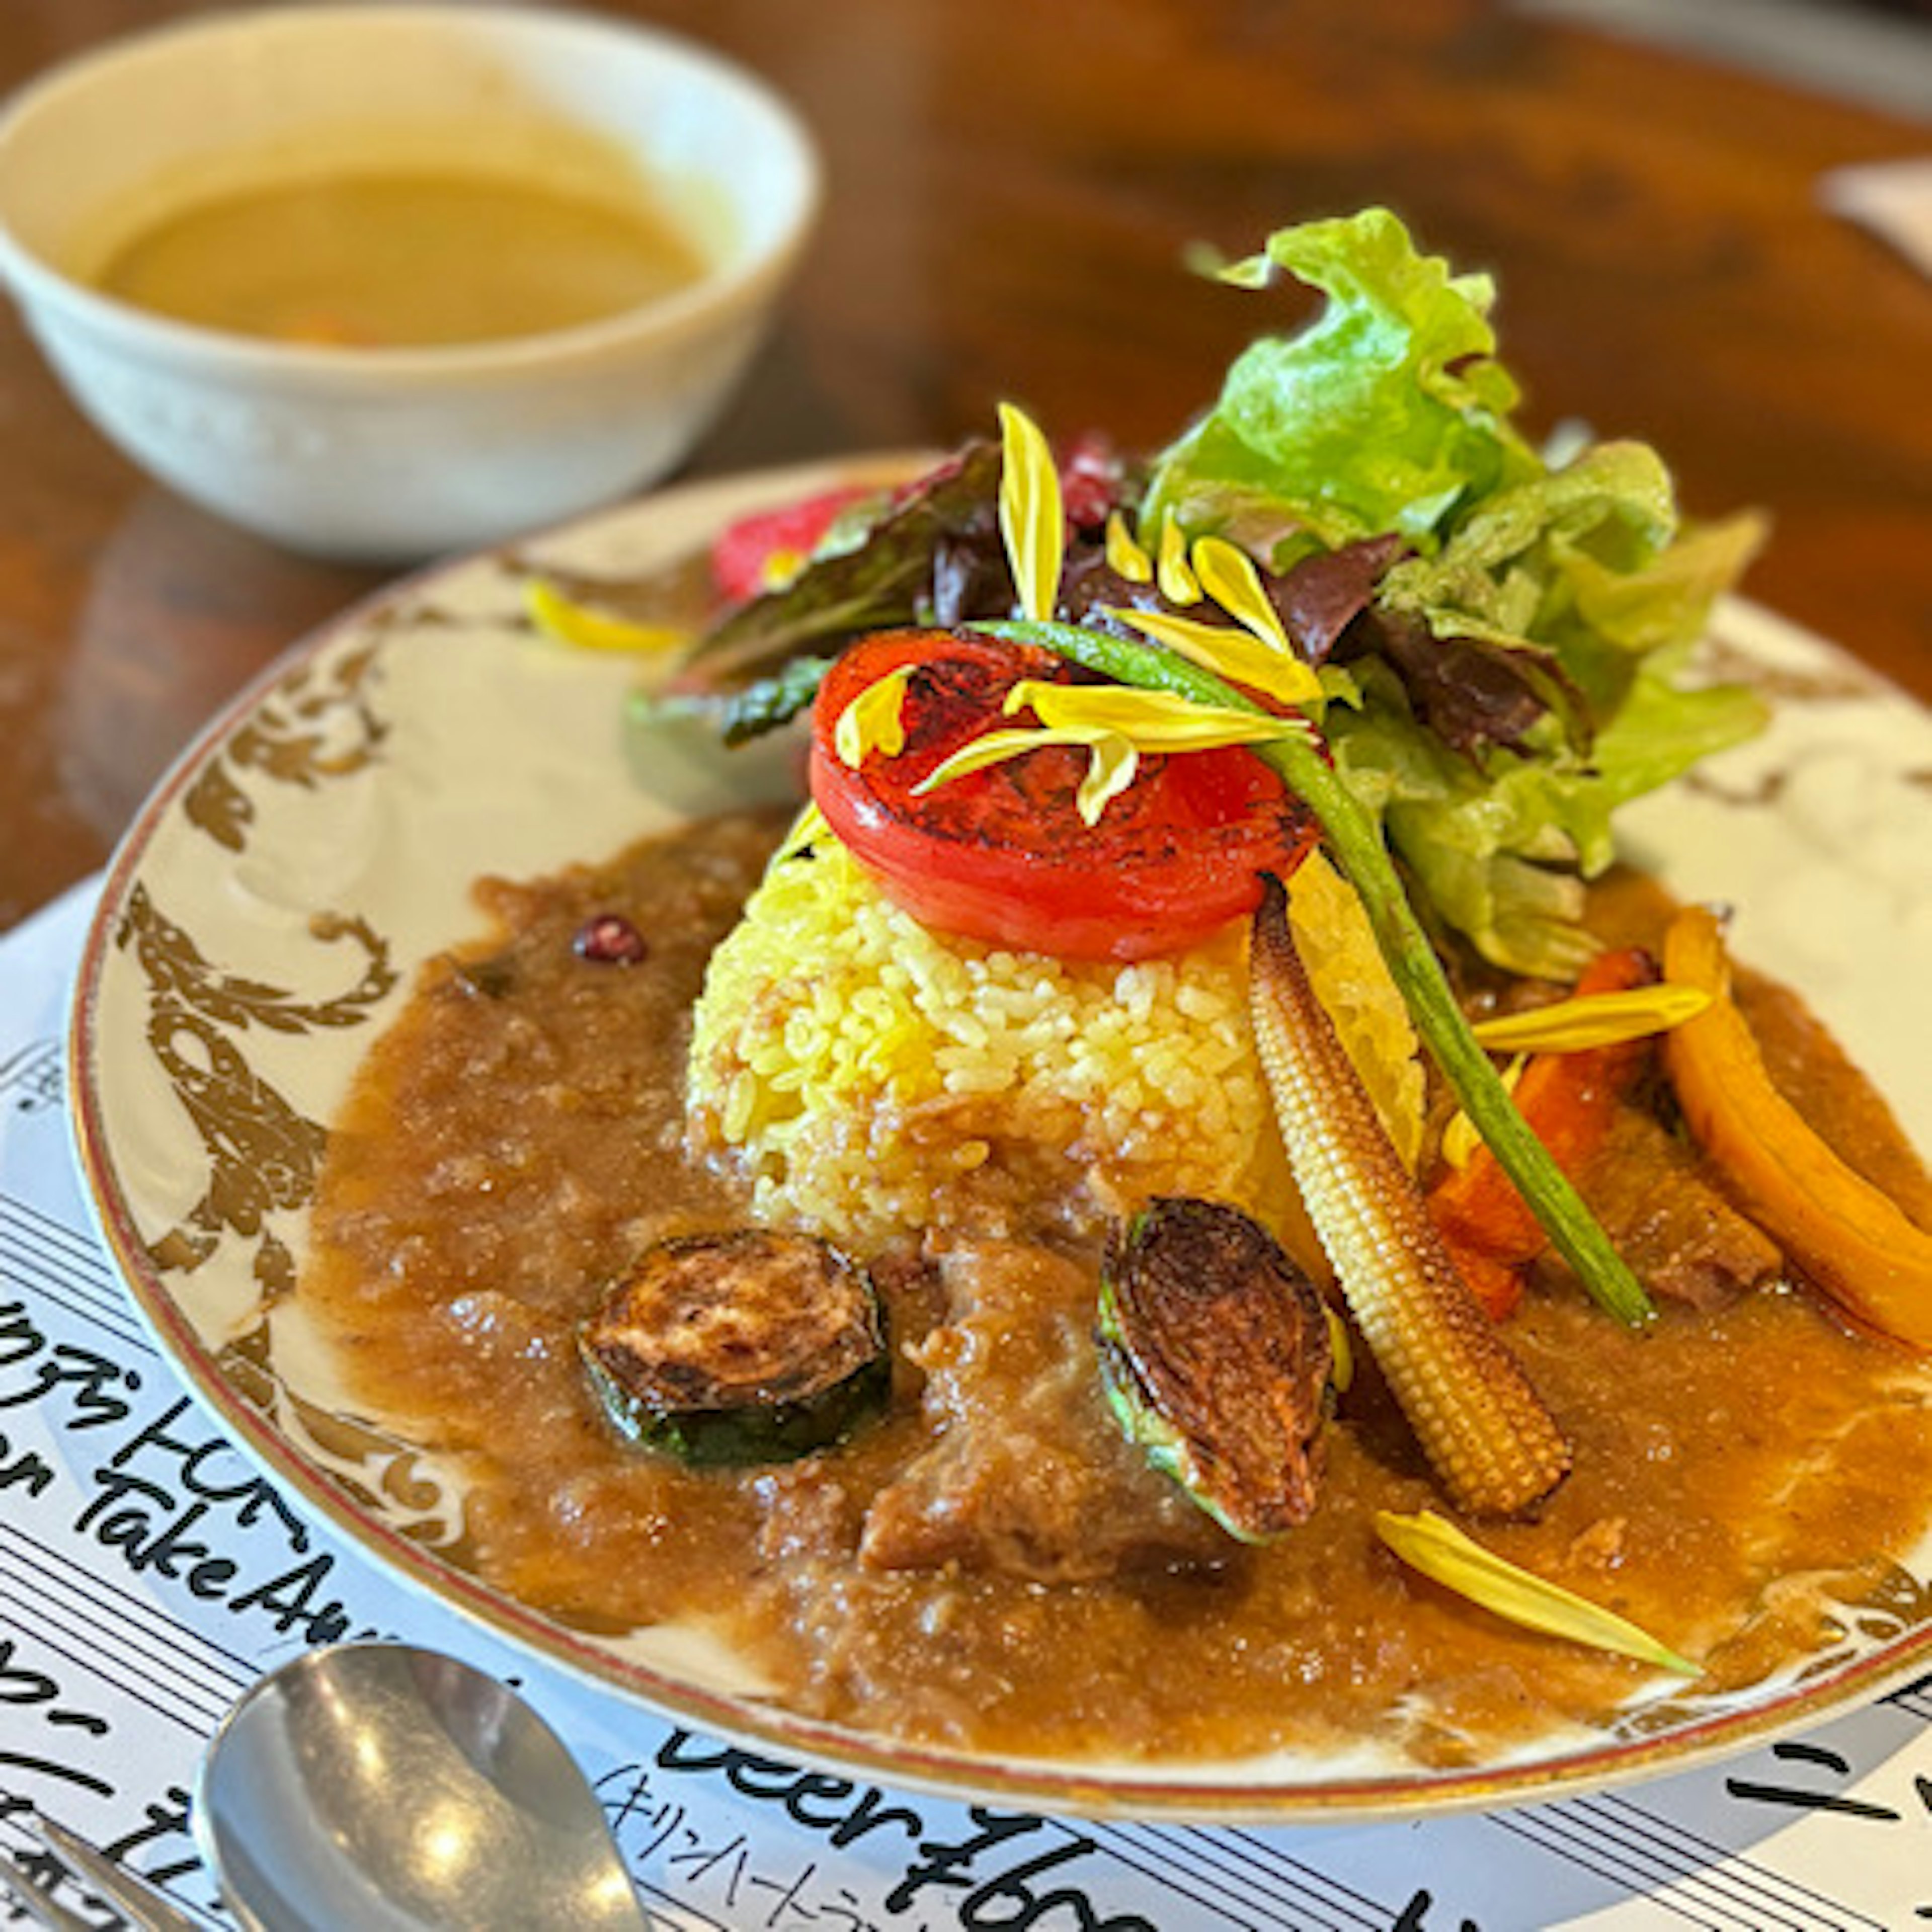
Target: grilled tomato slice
x=1002, y=854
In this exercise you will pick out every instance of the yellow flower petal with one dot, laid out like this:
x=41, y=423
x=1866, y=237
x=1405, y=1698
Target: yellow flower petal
x=1437, y=1548
x=1111, y=763
x=1030, y=514
x=1153, y=721
x=873, y=721
x=567, y=622
x=780, y=566
x=1234, y=655
x=1125, y=557
x=1593, y=1019
x=1228, y=576
x=1342, y=1352
x=1171, y=571
x=1460, y=1138
x=991, y=748
x=811, y=827
x=1115, y=723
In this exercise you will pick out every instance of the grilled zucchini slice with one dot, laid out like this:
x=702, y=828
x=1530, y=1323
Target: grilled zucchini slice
x=750, y=1346
x=1216, y=1357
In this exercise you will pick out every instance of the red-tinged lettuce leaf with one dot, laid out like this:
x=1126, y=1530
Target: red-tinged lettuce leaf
x=934, y=556
x=1322, y=595
x=1585, y=565
x=743, y=553
x=1470, y=693
x=1095, y=480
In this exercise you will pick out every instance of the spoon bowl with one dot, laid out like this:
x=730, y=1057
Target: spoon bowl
x=377, y=1787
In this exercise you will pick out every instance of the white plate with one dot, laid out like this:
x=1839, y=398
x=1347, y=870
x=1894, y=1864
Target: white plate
x=267, y=911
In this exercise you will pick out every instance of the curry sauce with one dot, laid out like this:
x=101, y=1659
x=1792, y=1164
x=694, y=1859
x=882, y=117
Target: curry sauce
x=990, y=1566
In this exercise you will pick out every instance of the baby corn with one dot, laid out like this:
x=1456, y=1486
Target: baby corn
x=1496, y=1449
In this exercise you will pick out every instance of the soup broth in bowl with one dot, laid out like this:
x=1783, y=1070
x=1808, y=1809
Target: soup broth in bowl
x=392, y=258
x=384, y=282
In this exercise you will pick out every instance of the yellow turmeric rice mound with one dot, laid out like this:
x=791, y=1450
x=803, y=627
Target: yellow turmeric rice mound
x=872, y=1078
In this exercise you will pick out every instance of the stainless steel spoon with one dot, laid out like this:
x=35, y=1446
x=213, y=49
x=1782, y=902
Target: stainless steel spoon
x=375, y=1787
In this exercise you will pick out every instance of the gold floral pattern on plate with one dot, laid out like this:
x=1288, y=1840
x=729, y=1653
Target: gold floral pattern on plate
x=389, y=1477
x=1879, y=1604
x=317, y=725
x=262, y=1153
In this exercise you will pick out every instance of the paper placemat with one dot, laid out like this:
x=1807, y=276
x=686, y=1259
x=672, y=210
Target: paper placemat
x=147, y=1574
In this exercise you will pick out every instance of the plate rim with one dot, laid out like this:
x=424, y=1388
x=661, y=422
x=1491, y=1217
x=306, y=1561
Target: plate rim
x=1125, y=1789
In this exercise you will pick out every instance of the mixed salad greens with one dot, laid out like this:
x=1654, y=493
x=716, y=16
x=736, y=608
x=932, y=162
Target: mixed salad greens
x=1503, y=630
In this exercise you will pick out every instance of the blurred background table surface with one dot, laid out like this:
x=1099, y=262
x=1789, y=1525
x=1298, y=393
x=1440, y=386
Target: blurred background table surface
x=1013, y=185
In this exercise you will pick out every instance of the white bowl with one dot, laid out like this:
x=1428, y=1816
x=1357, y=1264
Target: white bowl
x=394, y=454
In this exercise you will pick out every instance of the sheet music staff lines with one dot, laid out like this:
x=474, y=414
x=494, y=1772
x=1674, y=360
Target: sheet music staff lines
x=148, y=1572
x=1230, y=1868
x=53, y=1261
x=78, y=1251
x=1703, y=1883
x=30, y=1079
x=117, y=1636
x=1916, y=1699
x=1179, y=1876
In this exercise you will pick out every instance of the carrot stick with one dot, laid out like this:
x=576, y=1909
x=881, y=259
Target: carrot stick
x=1850, y=1239
x=1569, y=1100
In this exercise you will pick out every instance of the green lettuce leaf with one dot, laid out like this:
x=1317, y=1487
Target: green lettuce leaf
x=1584, y=565
x=1383, y=415
x=1575, y=586
x=1501, y=846
x=1584, y=562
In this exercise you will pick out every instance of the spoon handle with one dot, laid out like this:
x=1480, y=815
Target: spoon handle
x=144, y=1906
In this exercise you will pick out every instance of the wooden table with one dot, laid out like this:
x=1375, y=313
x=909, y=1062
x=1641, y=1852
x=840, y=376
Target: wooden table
x=1011, y=185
